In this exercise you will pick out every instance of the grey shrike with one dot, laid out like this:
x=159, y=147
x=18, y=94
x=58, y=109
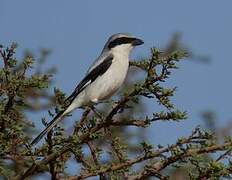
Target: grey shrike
x=103, y=78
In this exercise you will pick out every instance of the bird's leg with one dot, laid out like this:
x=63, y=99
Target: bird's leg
x=109, y=101
x=96, y=112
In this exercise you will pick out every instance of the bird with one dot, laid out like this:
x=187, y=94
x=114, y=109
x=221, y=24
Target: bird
x=104, y=77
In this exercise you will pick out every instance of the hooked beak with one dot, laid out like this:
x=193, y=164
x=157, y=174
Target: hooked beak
x=137, y=42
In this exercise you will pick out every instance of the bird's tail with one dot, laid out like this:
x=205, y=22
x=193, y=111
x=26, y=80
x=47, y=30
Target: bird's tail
x=51, y=124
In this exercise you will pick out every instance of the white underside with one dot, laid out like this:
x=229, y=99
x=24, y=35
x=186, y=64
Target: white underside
x=105, y=85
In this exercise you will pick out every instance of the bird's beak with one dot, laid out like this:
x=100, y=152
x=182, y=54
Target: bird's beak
x=137, y=42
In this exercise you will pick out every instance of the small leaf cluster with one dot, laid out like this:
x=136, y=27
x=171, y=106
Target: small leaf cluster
x=19, y=86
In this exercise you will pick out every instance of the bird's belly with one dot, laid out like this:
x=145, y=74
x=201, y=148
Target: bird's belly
x=107, y=84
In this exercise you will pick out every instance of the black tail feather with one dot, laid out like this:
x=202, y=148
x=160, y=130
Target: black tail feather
x=51, y=124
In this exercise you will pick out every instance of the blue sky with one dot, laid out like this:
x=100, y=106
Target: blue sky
x=76, y=31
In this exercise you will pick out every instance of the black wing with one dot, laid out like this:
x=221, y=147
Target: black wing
x=90, y=77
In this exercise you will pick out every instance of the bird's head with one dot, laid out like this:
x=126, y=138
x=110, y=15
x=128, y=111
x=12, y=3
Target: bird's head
x=122, y=43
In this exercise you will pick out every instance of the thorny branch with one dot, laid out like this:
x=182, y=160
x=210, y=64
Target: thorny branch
x=98, y=131
x=120, y=105
x=156, y=167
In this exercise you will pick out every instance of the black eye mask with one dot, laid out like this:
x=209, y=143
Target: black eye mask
x=119, y=41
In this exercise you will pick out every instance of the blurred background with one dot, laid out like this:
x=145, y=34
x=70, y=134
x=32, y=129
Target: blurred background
x=75, y=32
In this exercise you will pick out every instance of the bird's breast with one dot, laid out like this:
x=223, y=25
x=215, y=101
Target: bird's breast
x=107, y=84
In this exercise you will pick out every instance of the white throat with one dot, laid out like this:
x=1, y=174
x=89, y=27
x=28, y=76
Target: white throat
x=123, y=50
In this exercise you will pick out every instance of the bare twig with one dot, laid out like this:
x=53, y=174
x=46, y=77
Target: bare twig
x=159, y=165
